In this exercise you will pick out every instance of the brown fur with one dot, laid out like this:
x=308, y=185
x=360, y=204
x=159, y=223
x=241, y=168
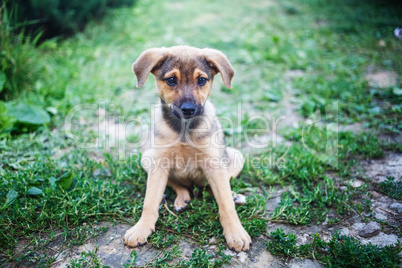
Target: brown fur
x=184, y=153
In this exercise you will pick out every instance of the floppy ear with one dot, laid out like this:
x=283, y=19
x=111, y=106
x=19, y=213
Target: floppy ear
x=146, y=62
x=220, y=63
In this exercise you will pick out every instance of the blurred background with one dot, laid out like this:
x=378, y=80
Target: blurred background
x=56, y=54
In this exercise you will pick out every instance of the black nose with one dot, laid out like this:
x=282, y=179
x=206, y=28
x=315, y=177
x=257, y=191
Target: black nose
x=188, y=109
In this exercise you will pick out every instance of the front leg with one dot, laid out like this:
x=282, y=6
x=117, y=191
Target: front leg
x=236, y=237
x=156, y=185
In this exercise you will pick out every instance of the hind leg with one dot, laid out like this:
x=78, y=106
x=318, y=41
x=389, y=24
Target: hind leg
x=183, y=196
x=236, y=162
x=234, y=169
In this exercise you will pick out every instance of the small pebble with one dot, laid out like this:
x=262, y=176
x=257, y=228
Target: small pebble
x=212, y=241
x=358, y=225
x=242, y=257
x=213, y=247
x=382, y=240
x=380, y=216
x=187, y=252
x=345, y=231
x=356, y=183
x=370, y=229
x=397, y=207
x=229, y=252
x=375, y=194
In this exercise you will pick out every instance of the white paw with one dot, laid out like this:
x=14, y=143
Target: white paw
x=238, y=198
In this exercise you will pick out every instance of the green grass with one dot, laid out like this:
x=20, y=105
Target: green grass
x=339, y=251
x=41, y=204
x=312, y=194
x=302, y=206
x=19, y=60
x=199, y=258
x=391, y=187
x=87, y=259
x=37, y=200
x=332, y=44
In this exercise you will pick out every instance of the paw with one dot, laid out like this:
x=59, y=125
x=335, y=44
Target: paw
x=237, y=239
x=238, y=198
x=137, y=235
x=181, y=202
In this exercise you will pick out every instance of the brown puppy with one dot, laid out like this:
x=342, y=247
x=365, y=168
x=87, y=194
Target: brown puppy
x=188, y=146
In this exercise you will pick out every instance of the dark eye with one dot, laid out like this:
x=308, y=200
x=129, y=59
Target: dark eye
x=201, y=81
x=171, y=81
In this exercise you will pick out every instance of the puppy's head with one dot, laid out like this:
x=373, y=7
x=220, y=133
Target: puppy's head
x=183, y=75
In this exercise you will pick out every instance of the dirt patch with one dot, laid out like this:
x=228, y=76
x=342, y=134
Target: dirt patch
x=293, y=119
x=378, y=170
x=293, y=73
x=382, y=79
x=109, y=247
x=356, y=128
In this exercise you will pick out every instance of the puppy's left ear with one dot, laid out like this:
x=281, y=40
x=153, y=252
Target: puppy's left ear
x=146, y=62
x=220, y=63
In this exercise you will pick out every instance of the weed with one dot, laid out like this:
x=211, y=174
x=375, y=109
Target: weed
x=339, y=251
x=306, y=205
x=282, y=244
x=87, y=259
x=201, y=258
x=19, y=60
x=131, y=262
x=364, y=144
x=342, y=251
x=167, y=256
x=391, y=187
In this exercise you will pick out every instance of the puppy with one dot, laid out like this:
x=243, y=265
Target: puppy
x=188, y=146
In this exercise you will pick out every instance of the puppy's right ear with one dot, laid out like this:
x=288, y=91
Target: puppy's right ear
x=146, y=62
